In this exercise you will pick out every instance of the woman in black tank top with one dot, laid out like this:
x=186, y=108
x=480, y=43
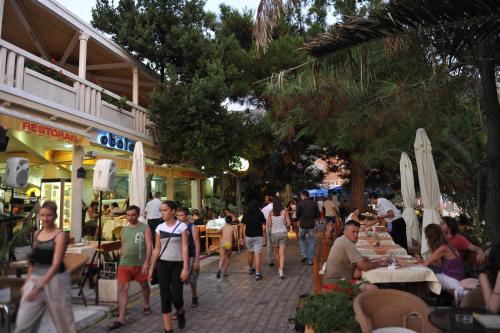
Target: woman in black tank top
x=47, y=285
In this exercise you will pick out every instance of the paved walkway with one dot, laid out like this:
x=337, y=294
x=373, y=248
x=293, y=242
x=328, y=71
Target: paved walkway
x=236, y=303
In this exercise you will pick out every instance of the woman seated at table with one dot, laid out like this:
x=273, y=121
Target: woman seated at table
x=492, y=296
x=444, y=260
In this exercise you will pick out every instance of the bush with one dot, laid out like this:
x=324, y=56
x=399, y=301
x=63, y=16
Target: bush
x=329, y=312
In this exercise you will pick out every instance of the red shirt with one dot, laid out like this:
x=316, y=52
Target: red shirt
x=460, y=243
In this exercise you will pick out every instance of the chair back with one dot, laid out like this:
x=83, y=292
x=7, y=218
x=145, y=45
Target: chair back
x=75, y=265
x=392, y=308
x=117, y=232
x=15, y=285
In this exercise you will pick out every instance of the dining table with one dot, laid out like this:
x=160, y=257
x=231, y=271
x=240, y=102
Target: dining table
x=445, y=320
x=88, y=249
x=371, y=244
x=403, y=268
x=410, y=273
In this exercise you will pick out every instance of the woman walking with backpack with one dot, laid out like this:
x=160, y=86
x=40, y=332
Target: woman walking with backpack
x=171, y=253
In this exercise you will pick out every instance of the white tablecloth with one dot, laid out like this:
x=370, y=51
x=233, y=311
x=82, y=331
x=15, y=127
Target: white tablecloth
x=417, y=273
x=110, y=225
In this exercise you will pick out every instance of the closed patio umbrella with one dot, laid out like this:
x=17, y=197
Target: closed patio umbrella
x=408, y=194
x=429, y=185
x=137, y=184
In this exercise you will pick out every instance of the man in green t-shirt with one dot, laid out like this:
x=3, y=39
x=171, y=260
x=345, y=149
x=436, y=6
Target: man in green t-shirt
x=135, y=255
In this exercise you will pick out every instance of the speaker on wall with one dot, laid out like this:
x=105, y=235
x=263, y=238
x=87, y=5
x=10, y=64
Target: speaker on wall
x=104, y=175
x=16, y=172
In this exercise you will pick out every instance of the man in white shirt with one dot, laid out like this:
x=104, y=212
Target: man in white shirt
x=395, y=223
x=152, y=213
x=266, y=210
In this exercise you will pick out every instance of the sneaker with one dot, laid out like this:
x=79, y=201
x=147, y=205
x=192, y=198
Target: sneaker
x=304, y=259
x=258, y=276
x=251, y=270
x=194, y=302
x=181, y=323
x=310, y=263
x=282, y=277
x=218, y=274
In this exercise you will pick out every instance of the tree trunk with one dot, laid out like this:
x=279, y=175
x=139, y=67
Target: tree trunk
x=492, y=110
x=358, y=178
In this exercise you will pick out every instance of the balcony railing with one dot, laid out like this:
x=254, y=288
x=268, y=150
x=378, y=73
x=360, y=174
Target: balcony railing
x=22, y=70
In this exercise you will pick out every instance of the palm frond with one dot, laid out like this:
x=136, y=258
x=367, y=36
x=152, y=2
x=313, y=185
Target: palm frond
x=471, y=20
x=268, y=15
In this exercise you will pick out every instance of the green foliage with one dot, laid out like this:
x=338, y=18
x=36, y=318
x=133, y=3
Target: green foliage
x=20, y=238
x=329, y=312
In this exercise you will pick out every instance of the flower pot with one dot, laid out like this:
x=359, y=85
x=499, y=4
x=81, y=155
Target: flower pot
x=309, y=329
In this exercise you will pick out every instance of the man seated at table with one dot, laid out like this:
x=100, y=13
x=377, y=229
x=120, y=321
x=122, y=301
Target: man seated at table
x=345, y=262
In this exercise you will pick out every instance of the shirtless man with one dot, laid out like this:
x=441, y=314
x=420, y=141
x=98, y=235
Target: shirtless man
x=226, y=246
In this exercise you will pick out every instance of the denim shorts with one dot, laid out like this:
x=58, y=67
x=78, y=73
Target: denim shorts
x=254, y=244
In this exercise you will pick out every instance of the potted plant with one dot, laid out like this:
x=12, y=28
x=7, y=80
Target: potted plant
x=330, y=312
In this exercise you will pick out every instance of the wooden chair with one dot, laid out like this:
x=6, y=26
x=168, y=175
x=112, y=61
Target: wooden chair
x=392, y=308
x=75, y=265
x=15, y=285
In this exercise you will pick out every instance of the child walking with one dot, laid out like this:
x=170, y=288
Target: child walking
x=226, y=246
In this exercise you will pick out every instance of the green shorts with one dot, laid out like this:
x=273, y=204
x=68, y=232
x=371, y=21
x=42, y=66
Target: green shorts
x=280, y=238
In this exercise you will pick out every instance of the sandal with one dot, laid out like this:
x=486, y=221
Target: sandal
x=146, y=311
x=114, y=325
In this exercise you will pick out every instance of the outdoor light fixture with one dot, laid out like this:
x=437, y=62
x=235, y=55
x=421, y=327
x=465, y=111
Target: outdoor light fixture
x=202, y=167
x=67, y=145
x=225, y=172
x=241, y=166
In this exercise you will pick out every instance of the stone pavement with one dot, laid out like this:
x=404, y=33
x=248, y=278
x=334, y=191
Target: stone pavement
x=236, y=303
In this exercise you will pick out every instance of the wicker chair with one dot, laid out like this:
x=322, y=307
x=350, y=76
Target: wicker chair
x=75, y=265
x=392, y=308
x=473, y=299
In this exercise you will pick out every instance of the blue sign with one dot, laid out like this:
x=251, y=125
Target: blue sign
x=117, y=142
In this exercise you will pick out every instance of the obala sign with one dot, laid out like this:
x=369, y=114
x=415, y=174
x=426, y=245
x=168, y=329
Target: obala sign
x=117, y=142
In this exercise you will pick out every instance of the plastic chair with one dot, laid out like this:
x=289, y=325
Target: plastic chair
x=392, y=308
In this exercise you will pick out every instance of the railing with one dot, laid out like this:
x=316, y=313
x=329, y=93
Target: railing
x=22, y=70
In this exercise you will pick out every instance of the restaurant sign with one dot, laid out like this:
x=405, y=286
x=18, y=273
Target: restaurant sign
x=50, y=132
x=117, y=142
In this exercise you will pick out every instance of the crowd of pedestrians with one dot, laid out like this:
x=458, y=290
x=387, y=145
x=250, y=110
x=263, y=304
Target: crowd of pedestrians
x=166, y=251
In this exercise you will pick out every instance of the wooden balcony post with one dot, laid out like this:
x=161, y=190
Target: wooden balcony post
x=135, y=85
x=2, y=4
x=82, y=59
